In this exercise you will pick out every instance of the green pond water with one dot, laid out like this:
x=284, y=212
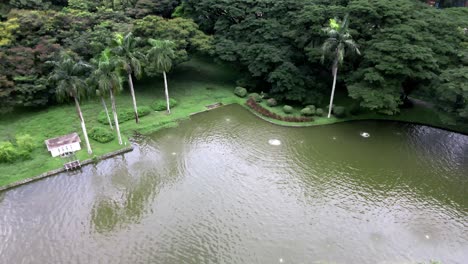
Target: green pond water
x=214, y=190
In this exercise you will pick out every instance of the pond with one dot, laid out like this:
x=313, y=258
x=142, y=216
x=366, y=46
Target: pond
x=227, y=187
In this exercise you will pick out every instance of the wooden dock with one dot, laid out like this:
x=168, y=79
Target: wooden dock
x=72, y=165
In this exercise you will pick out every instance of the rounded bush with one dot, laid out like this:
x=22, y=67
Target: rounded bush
x=312, y=107
x=339, y=111
x=25, y=142
x=288, y=109
x=240, y=91
x=272, y=102
x=307, y=112
x=8, y=153
x=101, y=134
x=256, y=97
x=161, y=105
x=319, y=112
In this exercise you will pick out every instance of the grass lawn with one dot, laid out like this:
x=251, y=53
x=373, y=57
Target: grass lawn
x=194, y=85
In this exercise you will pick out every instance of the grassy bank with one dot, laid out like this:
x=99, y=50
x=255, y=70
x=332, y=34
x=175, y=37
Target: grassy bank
x=194, y=85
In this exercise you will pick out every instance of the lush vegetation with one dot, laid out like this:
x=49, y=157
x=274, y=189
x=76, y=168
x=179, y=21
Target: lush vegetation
x=200, y=83
x=408, y=49
x=293, y=56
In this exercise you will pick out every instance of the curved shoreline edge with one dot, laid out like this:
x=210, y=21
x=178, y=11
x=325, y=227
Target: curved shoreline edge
x=271, y=121
x=353, y=119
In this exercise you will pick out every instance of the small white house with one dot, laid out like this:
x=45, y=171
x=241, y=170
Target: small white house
x=63, y=145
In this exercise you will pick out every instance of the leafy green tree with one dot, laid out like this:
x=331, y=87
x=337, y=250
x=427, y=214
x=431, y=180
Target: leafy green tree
x=125, y=47
x=451, y=91
x=183, y=32
x=160, y=56
x=339, y=40
x=109, y=81
x=68, y=75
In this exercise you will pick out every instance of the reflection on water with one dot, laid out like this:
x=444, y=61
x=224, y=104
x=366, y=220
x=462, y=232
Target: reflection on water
x=215, y=190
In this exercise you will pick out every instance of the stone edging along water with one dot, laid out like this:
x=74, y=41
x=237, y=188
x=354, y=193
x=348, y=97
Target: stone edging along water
x=57, y=171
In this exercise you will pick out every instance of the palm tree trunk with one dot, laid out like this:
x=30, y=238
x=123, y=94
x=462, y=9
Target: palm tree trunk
x=116, y=119
x=107, y=112
x=130, y=81
x=166, y=91
x=335, y=74
x=83, y=125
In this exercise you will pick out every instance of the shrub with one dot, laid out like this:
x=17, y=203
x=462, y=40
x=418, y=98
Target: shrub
x=161, y=105
x=25, y=142
x=272, y=102
x=265, y=112
x=287, y=109
x=312, y=107
x=264, y=95
x=8, y=153
x=101, y=134
x=319, y=112
x=307, y=112
x=339, y=111
x=256, y=97
x=240, y=91
x=125, y=114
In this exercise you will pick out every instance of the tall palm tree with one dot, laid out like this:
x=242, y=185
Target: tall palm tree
x=339, y=40
x=101, y=96
x=68, y=75
x=109, y=81
x=92, y=82
x=160, y=56
x=125, y=49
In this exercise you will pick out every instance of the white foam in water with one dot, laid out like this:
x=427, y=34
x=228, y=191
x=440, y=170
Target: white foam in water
x=365, y=134
x=274, y=142
x=173, y=153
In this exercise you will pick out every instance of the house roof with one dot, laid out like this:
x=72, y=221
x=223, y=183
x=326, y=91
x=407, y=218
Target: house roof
x=62, y=141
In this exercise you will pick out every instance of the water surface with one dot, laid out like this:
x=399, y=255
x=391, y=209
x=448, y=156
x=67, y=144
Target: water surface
x=214, y=190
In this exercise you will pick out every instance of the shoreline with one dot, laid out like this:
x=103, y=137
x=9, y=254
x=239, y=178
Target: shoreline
x=348, y=119
x=269, y=120
x=61, y=170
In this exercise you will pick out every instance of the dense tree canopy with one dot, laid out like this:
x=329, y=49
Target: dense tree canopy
x=29, y=38
x=407, y=46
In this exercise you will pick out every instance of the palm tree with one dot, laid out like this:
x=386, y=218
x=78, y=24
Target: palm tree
x=109, y=81
x=101, y=96
x=339, y=40
x=68, y=75
x=125, y=49
x=160, y=56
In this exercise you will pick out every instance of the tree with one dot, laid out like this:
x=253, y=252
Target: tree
x=125, y=49
x=98, y=93
x=451, y=92
x=160, y=56
x=339, y=39
x=68, y=75
x=109, y=81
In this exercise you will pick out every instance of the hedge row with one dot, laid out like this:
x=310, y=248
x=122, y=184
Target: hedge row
x=265, y=112
x=160, y=105
x=124, y=115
